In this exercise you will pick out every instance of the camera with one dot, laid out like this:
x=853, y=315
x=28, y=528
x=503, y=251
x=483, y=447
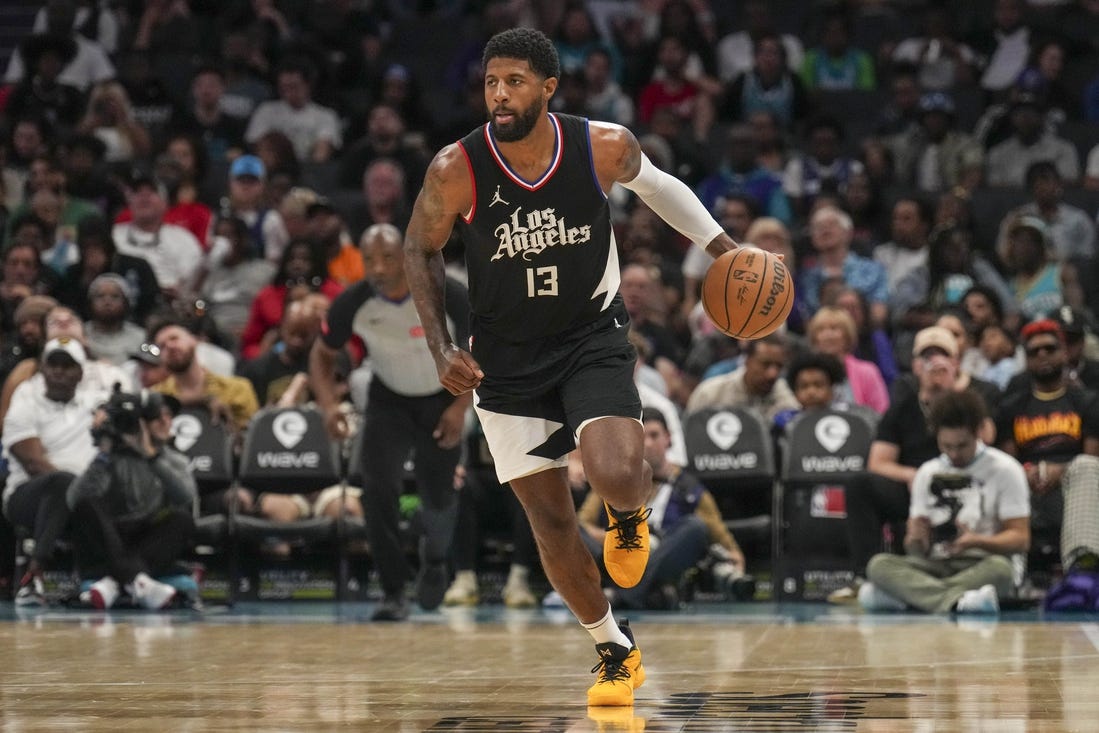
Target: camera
x=722, y=577
x=126, y=410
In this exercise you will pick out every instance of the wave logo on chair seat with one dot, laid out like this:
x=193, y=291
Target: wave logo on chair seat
x=832, y=432
x=186, y=430
x=289, y=428
x=724, y=429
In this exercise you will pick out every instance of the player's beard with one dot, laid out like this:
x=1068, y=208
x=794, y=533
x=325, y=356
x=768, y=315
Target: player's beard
x=521, y=127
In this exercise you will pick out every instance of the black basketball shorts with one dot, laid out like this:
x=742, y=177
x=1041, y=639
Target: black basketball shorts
x=533, y=412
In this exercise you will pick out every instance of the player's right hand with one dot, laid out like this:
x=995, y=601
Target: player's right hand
x=459, y=372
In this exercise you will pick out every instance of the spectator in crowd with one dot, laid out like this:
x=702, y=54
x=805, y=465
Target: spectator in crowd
x=689, y=523
x=769, y=85
x=205, y=118
x=1040, y=284
x=246, y=73
x=131, y=507
x=273, y=372
x=26, y=338
x=836, y=64
x=1007, y=46
x=41, y=94
x=46, y=445
x=90, y=65
x=108, y=331
x=406, y=410
x=314, y=130
x=46, y=174
x=997, y=348
x=933, y=155
x=901, y=446
x=22, y=276
x=1047, y=61
x=823, y=168
x=1046, y=426
x=830, y=231
x=943, y=62
x=832, y=331
x=290, y=223
x=386, y=137
x=907, y=251
x=247, y=176
x=902, y=112
x=302, y=270
x=1029, y=143
x=383, y=198
x=110, y=117
x=735, y=212
x=816, y=379
x=144, y=366
x=576, y=36
x=1071, y=230
x=172, y=252
x=327, y=234
x=873, y=344
x=276, y=151
x=756, y=385
x=98, y=256
x=233, y=281
x=182, y=208
x=606, y=101
x=739, y=173
x=968, y=523
x=736, y=51
x=87, y=175
x=671, y=88
x=952, y=269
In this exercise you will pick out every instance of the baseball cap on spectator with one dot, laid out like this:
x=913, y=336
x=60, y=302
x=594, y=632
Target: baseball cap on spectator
x=1074, y=323
x=936, y=102
x=935, y=337
x=147, y=353
x=1039, y=327
x=65, y=345
x=1033, y=223
x=248, y=165
x=397, y=72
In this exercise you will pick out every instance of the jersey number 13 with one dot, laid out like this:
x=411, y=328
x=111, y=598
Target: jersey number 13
x=541, y=281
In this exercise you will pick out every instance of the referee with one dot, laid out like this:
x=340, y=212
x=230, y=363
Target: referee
x=406, y=410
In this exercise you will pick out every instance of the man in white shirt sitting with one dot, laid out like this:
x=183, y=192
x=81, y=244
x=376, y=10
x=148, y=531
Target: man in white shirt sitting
x=314, y=130
x=47, y=442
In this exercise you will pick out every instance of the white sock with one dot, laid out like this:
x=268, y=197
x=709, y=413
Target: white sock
x=606, y=630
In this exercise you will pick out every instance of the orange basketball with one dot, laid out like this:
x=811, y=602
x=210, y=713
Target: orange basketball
x=748, y=293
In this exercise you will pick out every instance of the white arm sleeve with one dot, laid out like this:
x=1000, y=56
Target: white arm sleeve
x=674, y=203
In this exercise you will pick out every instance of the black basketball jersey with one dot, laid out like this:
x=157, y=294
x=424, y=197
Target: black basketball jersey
x=540, y=254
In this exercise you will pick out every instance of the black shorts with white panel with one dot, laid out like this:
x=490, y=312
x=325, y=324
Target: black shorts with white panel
x=537, y=396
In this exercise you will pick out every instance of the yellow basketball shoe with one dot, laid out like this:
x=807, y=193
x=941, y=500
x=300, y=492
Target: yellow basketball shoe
x=615, y=720
x=626, y=546
x=619, y=672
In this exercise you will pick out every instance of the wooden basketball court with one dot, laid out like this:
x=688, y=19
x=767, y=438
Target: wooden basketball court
x=754, y=667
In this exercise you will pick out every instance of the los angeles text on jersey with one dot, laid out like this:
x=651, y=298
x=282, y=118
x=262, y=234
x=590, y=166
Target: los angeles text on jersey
x=531, y=234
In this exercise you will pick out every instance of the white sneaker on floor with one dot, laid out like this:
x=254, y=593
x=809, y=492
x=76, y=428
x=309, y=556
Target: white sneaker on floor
x=553, y=599
x=983, y=600
x=873, y=598
x=31, y=593
x=151, y=594
x=102, y=594
x=847, y=594
x=463, y=591
x=517, y=594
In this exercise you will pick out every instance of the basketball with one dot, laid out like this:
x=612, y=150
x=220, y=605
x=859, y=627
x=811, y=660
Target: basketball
x=748, y=293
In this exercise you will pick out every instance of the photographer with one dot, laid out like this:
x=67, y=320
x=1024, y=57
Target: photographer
x=968, y=525
x=685, y=526
x=132, y=506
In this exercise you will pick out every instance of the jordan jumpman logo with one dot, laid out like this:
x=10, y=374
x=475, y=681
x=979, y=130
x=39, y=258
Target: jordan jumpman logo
x=497, y=199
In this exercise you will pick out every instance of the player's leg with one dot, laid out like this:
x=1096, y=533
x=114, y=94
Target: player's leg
x=547, y=501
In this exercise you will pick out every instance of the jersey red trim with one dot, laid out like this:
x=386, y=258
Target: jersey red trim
x=558, y=154
x=473, y=184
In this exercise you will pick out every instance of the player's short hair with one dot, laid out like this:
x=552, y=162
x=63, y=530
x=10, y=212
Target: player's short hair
x=964, y=409
x=527, y=44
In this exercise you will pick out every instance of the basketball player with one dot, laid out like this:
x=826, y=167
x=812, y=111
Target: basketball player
x=549, y=356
